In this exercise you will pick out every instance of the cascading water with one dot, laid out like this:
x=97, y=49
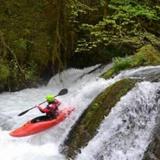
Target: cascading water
x=82, y=90
x=120, y=136
x=126, y=132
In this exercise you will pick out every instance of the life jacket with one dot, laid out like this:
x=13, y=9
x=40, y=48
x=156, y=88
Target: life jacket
x=51, y=108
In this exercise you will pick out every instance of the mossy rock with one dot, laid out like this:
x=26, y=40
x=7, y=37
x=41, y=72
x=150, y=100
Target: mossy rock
x=152, y=152
x=87, y=125
x=147, y=55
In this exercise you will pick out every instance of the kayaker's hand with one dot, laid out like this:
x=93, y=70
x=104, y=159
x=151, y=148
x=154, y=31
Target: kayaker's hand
x=37, y=106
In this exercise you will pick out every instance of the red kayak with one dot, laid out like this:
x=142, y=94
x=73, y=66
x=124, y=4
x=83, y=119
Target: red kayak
x=40, y=124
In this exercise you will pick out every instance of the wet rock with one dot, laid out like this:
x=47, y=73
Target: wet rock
x=153, y=150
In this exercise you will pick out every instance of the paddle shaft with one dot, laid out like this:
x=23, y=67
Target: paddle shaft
x=34, y=107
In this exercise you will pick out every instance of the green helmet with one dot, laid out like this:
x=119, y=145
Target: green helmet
x=50, y=98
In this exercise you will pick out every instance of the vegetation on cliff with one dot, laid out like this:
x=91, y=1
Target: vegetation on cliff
x=37, y=38
x=40, y=38
x=147, y=55
x=128, y=26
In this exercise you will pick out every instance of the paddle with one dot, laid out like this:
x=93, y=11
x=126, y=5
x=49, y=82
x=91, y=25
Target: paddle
x=62, y=92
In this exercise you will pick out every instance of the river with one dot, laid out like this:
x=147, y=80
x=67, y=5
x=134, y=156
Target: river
x=124, y=134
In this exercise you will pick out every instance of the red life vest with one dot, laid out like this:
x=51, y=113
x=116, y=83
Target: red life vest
x=50, y=108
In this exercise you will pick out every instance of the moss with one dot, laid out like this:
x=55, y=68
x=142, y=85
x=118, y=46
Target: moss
x=87, y=125
x=4, y=74
x=147, y=55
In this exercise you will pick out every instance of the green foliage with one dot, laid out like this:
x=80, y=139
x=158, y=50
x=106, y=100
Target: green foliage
x=122, y=63
x=147, y=55
x=135, y=11
x=79, y=11
x=129, y=23
x=31, y=75
x=24, y=36
x=21, y=43
x=40, y=36
x=4, y=72
x=102, y=2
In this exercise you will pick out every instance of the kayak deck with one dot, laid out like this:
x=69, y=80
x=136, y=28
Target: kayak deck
x=41, y=119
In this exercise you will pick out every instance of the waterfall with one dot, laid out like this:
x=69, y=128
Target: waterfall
x=126, y=131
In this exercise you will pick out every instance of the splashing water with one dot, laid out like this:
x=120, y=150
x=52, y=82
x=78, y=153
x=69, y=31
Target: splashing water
x=126, y=131
x=118, y=135
x=45, y=144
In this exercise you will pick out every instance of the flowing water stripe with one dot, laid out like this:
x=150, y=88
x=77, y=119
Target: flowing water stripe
x=126, y=132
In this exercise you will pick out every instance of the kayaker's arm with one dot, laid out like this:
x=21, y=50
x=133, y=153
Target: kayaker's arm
x=42, y=109
x=39, y=107
x=57, y=102
x=50, y=108
x=62, y=92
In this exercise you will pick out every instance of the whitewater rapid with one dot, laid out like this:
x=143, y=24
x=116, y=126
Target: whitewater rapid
x=117, y=139
x=126, y=131
x=83, y=88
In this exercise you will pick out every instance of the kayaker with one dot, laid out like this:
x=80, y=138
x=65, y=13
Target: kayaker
x=51, y=109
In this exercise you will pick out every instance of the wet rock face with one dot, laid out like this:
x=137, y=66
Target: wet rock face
x=153, y=150
x=86, y=127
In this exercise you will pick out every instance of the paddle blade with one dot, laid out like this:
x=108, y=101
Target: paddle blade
x=24, y=112
x=63, y=91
